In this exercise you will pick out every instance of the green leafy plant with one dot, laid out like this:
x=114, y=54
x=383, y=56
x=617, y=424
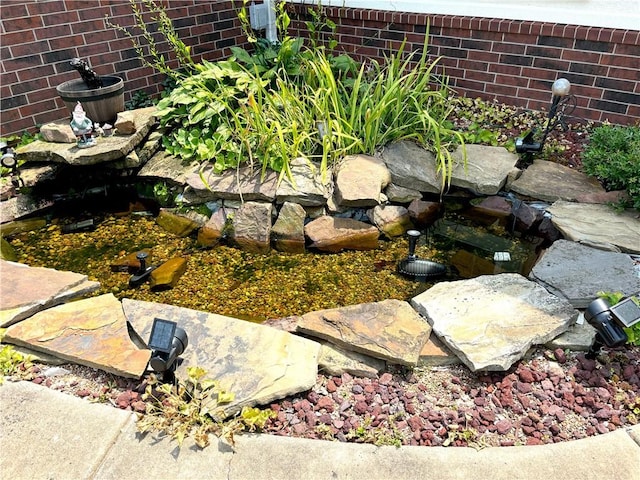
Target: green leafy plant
x=286, y=101
x=139, y=99
x=613, y=156
x=386, y=433
x=633, y=332
x=193, y=408
x=14, y=364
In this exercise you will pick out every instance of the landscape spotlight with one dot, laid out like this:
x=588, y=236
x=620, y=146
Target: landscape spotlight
x=610, y=322
x=166, y=342
x=560, y=91
x=8, y=160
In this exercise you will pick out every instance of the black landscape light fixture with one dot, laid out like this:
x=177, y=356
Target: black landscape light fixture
x=166, y=342
x=143, y=273
x=8, y=160
x=610, y=322
x=528, y=145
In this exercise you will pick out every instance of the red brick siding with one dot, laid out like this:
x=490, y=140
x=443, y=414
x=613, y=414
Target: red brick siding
x=39, y=38
x=510, y=61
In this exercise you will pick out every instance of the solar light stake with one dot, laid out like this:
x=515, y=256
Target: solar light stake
x=167, y=342
x=610, y=322
x=528, y=145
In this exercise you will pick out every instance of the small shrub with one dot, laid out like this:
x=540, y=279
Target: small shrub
x=14, y=364
x=613, y=156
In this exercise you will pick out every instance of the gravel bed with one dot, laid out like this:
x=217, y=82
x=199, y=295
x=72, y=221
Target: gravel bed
x=549, y=397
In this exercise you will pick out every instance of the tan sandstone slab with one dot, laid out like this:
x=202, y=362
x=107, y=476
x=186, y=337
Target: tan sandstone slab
x=258, y=364
x=595, y=223
x=390, y=330
x=334, y=234
x=25, y=290
x=491, y=321
x=106, y=149
x=91, y=332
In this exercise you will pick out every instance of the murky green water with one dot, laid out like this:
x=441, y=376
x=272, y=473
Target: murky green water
x=228, y=281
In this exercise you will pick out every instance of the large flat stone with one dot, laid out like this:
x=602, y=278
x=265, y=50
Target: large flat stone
x=491, y=321
x=582, y=222
x=165, y=166
x=486, y=170
x=359, y=181
x=26, y=290
x=334, y=360
x=390, y=330
x=22, y=205
x=107, y=149
x=334, y=234
x=245, y=184
x=258, y=364
x=550, y=181
x=91, y=332
x=578, y=272
x=307, y=188
x=412, y=166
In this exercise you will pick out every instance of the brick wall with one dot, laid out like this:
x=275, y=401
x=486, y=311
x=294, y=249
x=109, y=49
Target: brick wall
x=513, y=62
x=38, y=39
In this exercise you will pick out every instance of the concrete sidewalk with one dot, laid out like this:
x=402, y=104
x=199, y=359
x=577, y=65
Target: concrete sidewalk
x=51, y=435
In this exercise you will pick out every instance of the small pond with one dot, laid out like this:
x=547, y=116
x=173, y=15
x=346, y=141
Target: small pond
x=228, y=281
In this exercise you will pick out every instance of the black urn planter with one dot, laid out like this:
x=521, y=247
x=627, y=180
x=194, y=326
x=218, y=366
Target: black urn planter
x=102, y=104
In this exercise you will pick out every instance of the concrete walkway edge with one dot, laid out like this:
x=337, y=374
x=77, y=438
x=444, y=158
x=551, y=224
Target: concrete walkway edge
x=47, y=434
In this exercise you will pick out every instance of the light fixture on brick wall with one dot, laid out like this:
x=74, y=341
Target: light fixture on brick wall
x=528, y=145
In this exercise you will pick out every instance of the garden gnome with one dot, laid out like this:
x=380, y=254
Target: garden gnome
x=82, y=126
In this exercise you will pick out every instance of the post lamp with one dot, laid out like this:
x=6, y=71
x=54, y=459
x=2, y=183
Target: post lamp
x=527, y=145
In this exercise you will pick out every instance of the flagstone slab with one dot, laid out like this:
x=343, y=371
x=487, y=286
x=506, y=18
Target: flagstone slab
x=25, y=290
x=550, y=181
x=486, y=169
x=334, y=360
x=107, y=149
x=91, y=332
x=578, y=272
x=258, y=364
x=583, y=222
x=491, y=321
x=389, y=330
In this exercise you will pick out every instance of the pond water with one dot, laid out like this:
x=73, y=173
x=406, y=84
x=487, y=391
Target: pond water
x=228, y=281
